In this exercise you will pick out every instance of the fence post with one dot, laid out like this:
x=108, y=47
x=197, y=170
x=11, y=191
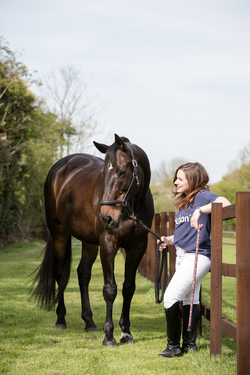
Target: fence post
x=216, y=279
x=163, y=224
x=243, y=281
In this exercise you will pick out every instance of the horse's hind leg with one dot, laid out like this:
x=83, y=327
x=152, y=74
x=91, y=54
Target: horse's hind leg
x=62, y=259
x=89, y=254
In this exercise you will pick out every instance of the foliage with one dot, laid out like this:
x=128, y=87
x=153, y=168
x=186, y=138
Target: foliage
x=39, y=154
x=237, y=180
x=28, y=145
x=29, y=343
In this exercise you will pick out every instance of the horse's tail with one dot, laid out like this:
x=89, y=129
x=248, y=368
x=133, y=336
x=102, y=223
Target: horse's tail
x=43, y=286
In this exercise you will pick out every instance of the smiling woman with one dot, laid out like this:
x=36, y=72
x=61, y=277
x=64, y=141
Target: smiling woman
x=193, y=198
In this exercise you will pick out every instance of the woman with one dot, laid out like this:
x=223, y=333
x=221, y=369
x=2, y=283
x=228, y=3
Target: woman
x=193, y=199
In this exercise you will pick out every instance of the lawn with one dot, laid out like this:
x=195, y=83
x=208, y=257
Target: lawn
x=29, y=343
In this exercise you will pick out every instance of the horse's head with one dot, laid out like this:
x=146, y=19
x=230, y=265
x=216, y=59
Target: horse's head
x=123, y=178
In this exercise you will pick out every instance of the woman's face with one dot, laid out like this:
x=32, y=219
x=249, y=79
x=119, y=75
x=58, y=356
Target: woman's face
x=181, y=183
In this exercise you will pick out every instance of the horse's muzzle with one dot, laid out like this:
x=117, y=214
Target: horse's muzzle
x=109, y=222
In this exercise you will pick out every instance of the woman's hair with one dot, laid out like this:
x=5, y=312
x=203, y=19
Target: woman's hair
x=197, y=178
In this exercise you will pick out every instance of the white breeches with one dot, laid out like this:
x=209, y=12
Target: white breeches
x=180, y=286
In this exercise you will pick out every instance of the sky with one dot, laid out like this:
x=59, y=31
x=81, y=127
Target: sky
x=172, y=76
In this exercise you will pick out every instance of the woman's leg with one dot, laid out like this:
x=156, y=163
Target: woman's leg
x=179, y=289
x=180, y=286
x=173, y=317
x=189, y=337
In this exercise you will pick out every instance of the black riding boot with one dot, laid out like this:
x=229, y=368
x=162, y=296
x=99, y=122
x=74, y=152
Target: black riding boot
x=173, y=316
x=189, y=337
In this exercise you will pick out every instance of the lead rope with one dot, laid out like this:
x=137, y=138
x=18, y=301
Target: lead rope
x=159, y=267
x=158, y=273
x=194, y=276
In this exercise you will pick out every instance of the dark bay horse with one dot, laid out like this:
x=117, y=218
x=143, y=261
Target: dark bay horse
x=91, y=199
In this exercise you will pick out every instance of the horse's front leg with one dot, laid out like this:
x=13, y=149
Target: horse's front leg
x=131, y=265
x=109, y=292
x=89, y=254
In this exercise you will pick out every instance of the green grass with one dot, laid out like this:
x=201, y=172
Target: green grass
x=29, y=343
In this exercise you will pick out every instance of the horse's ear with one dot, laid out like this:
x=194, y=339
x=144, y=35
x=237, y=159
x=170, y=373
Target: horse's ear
x=120, y=143
x=101, y=147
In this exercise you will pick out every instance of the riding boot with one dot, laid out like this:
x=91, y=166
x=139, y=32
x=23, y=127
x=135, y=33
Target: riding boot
x=189, y=337
x=173, y=317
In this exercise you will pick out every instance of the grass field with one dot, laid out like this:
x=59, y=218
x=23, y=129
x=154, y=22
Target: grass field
x=29, y=343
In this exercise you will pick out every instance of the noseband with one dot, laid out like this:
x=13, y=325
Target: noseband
x=135, y=177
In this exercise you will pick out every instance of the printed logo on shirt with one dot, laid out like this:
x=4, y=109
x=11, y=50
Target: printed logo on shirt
x=182, y=219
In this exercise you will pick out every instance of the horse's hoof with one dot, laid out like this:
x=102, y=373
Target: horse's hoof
x=91, y=329
x=126, y=338
x=111, y=343
x=61, y=326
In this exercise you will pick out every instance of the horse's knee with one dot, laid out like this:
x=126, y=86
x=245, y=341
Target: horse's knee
x=109, y=292
x=84, y=276
x=128, y=290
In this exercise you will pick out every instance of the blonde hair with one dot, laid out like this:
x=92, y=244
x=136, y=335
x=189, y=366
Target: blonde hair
x=197, y=178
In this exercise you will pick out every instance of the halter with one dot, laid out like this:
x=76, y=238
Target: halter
x=135, y=177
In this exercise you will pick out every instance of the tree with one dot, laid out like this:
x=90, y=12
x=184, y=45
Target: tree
x=66, y=93
x=25, y=130
x=39, y=154
x=237, y=179
x=15, y=107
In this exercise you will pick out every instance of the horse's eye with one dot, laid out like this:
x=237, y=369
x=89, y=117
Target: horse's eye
x=121, y=173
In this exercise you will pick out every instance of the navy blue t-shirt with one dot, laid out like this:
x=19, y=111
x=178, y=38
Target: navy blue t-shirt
x=184, y=235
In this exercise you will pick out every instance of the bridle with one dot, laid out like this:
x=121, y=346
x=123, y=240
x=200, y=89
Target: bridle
x=125, y=202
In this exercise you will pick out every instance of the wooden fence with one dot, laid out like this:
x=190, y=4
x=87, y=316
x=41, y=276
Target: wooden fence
x=163, y=224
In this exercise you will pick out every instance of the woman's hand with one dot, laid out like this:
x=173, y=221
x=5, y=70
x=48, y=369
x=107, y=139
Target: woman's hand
x=206, y=210
x=166, y=241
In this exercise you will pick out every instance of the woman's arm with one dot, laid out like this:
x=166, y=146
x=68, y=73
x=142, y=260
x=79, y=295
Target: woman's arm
x=206, y=210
